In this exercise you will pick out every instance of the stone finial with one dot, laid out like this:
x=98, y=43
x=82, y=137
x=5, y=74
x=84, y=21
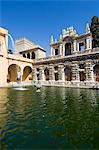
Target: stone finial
x=60, y=38
x=51, y=39
x=63, y=31
x=55, y=40
x=87, y=28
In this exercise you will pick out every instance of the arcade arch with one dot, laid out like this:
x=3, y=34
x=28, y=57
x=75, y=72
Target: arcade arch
x=27, y=74
x=14, y=73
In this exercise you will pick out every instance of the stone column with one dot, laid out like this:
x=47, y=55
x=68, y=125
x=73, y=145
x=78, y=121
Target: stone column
x=78, y=47
x=90, y=43
x=63, y=49
x=60, y=49
x=41, y=71
x=89, y=71
x=75, y=72
x=75, y=46
x=52, y=51
x=21, y=75
x=87, y=43
x=34, y=74
x=61, y=74
x=51, y=72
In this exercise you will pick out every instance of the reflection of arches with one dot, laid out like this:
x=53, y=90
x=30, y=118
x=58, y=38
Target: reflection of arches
x=33, y=55
x=28, y=55
x=68, y=73
x=14, y=73
x=67, y=49
x=27, y=74
x=96, y=72
x=46, y=72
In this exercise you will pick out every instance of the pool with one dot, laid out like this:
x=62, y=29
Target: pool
x=55, y=118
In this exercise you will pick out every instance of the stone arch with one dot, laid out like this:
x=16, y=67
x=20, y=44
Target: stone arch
x=68, y=73
x=14, y=73
x=68, y=49
x=96, y=72
x=27, y=74
x=33, y=55
x=46, y=73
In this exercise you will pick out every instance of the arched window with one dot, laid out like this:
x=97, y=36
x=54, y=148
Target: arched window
x=33, y=55
x=24, y=55
x=67, y=49
x=28, y=55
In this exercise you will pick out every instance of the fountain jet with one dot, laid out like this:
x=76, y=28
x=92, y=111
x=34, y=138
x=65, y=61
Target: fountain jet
x=12, y=41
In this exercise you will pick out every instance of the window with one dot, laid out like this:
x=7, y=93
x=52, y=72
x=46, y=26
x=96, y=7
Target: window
x=33, y=55
x=24, y=55
x=67, y=49
x=56, y=51
x=28, y=55
x=81, y=47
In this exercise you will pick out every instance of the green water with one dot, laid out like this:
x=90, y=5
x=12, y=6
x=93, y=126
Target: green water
x=55, y=118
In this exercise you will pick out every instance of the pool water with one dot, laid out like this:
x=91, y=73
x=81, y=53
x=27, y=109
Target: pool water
x=55, y=118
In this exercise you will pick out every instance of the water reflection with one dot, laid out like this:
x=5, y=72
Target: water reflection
x=54, y=118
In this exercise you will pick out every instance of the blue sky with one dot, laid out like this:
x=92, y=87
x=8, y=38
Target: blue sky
x=37, y=20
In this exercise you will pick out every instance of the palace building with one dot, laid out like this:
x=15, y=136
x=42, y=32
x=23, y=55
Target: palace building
x=72, y=63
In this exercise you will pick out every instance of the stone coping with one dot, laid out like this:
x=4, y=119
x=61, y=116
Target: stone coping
x=68, y=84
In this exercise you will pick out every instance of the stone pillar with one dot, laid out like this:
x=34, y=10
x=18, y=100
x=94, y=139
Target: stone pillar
x=78, y=47
x=34, y=74
x=89, y=71
x=63, y=49
x=60, y=49
x=52, y=51
x=75, y=72
x=41, y=71
x=61, y=74
x=21, y=75
x=88, y=43
x=51, y=72
x=75, y=46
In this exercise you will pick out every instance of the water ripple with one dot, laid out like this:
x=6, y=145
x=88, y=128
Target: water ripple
x=57, y=118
